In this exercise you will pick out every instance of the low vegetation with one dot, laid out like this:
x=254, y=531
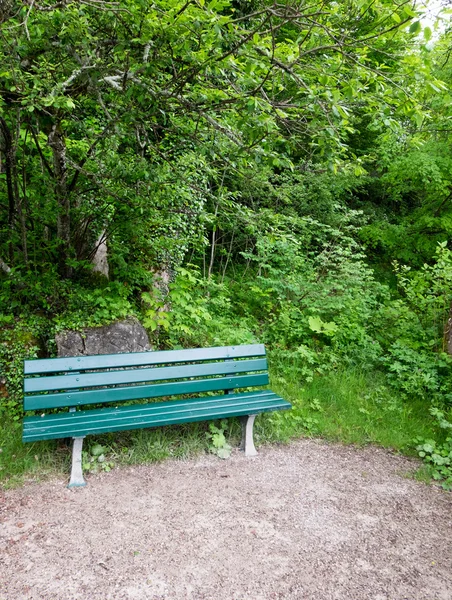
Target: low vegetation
x=252, y=172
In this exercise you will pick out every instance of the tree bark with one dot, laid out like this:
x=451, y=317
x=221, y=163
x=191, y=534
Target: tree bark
x=10, y=155
x=4, y=267
x=58, y=146
x=100, y=257
x=9, y=147
x=18, y=196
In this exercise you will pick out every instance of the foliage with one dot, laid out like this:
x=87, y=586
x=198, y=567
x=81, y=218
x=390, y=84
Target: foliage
x=17, y=342
x=416, y=189
x=436, y=454
x=439, y=458
x=217, y=440
x=428, y=291
x=91, y=308
x=121, y=117
x=254, y=170
x=182, y=313
x=417, y=362
x=94, y=459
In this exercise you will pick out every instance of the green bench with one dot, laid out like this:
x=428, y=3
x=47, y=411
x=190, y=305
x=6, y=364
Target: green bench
x=71, y=383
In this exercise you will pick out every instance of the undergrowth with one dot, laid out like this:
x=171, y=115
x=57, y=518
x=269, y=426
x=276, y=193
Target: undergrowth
x=349, y=406
x=360, y=364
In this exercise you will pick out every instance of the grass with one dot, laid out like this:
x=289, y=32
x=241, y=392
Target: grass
x=352, y=407
x=38, y=460
x=349, y=406
x=20, y=462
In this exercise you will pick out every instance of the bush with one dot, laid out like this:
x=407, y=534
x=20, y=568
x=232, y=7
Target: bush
x=18, y=341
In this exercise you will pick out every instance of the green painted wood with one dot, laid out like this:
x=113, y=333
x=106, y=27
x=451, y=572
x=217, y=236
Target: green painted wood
x=137, y=392
x=67, y=382
x=169, y=377
x=157, y=414
x=165, y=406
x=139, y=359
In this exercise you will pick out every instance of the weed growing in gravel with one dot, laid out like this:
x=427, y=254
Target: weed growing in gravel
x=217, y=440
x=96, y=459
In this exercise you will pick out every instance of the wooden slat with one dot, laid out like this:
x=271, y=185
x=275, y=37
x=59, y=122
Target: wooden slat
x=139, y=359
x=153, y=415
x=137, y=392
x=67, y=382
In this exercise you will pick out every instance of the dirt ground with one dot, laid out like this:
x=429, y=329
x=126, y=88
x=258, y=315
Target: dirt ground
x=305, y=521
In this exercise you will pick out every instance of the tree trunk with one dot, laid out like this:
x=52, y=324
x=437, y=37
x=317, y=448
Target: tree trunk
x=19, y=197
x=9, y=147
x=100, y=258
x=10, y=155
x=4, y=267
x=58, y=147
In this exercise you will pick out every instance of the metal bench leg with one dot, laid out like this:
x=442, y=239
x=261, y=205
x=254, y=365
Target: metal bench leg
x=76, y=471
x=247, y=444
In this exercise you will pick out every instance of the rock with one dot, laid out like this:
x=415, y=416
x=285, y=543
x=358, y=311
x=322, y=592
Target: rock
x=123, y=336
x=70, y=343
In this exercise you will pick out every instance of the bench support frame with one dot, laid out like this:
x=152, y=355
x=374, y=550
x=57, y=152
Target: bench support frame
x=76, y=470
x=247, y=444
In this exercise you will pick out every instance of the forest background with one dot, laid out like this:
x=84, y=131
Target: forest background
x=255, y=171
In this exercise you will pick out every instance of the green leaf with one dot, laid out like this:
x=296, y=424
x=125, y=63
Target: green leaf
x=428, y=448
x=419, y=118
x=97, y=450
x=415, y=27
x=315, y=324
x=330, y=327
x=224, y=452
x=409, y=11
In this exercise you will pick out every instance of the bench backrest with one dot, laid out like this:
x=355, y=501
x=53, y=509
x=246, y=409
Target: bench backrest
x=75, y=381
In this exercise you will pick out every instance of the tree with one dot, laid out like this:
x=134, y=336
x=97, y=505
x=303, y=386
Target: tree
x=100, y=97
x=410, y=190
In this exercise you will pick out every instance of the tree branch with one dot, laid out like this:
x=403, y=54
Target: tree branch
x=43, y=158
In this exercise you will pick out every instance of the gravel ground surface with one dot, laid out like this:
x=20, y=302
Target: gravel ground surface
x=305, y=521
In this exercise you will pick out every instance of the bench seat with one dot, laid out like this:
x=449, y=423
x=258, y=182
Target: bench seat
x=156, y=414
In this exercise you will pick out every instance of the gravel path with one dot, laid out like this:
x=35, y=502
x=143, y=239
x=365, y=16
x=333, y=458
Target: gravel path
x=305, y=521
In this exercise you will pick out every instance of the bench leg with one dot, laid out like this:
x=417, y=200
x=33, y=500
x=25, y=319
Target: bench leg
x=76, y=471
x=247, y=444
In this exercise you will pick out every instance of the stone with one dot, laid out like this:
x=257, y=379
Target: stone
x=123, y=336
x=70, y=343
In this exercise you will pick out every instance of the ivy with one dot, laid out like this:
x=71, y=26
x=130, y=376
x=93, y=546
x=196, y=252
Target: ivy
x=18, y=342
